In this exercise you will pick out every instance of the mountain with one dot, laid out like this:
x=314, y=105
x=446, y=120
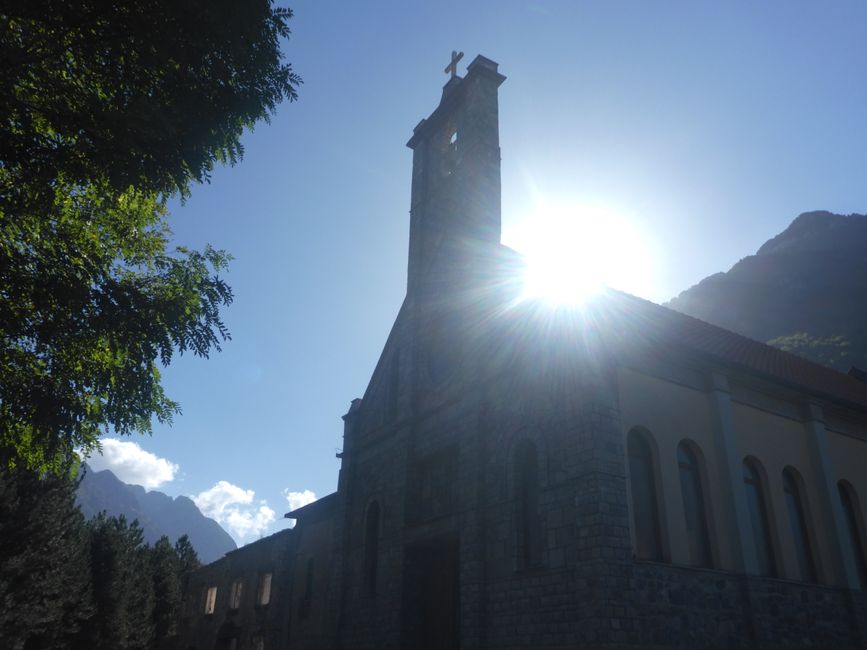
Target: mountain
x=804, y=291
x=157, y=513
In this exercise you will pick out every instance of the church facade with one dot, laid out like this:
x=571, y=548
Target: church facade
x=613, y=475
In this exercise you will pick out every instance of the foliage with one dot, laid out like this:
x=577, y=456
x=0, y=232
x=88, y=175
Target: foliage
x=802, y=291
x=137, y=589
x=45, y=593
x=165, y=567
x=108, y=109
x=188, y=559
x=122, y=591
x=148, y=94
x=827, y=350
x=87, y=311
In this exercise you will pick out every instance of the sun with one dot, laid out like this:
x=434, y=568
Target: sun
x=572, y=251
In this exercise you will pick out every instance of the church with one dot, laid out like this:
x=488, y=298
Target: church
x=517, y=475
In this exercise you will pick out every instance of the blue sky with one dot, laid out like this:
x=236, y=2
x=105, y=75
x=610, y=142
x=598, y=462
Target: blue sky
x=709, y=126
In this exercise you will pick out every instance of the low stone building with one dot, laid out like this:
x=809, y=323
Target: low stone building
x=240, y=600
x=610, y=475
x=249, y=598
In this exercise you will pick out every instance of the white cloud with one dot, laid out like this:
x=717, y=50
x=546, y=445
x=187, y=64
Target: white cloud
x=234, y=508
x=250, y=522
x=220, y=498
x=132, y=464
x=298, y=499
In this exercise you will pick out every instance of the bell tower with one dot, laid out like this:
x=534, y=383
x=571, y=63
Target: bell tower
x=455, y=201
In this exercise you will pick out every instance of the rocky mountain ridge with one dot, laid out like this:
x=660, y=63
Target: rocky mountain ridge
x=804, y=291
x=157, y=513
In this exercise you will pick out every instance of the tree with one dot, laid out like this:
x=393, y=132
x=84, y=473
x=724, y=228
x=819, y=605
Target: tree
x=148, y=94
x=123, y=589
x=188, y=559
x=165, y=566
x=109, y=109
x=170, y=569
x=66, y=584
x=45, y=594
x=834, y=351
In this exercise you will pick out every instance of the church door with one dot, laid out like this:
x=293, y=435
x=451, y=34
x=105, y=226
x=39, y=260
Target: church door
x=431, y=607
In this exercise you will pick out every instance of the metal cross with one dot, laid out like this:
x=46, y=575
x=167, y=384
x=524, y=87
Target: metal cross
x=453, y=66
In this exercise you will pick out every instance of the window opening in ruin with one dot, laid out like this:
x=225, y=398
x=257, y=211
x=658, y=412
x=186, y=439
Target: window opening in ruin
x=759, y=519
x=798, y=523
x=235, y=594
x=645, y=512
x=263, y=593
x=210, y=599
x=694, y=509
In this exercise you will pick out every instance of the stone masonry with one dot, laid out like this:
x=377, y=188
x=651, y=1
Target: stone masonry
x=439, y=535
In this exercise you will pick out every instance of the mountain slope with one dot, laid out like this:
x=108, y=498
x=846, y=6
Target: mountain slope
x=805, y=291
x=157, y=513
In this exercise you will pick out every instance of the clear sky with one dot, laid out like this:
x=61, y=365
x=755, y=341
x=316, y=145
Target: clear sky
x=706, y=126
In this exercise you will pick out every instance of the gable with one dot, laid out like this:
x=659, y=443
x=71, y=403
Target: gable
x=387, y=392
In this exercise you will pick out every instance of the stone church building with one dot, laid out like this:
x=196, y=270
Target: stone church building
x=613, y=475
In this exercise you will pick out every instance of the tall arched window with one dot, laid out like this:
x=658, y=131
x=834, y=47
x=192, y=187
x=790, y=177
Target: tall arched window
x=759, y=518
x=645, y=513
x=694, y=510
x=371, y=546
x=307, y=599
x=853, y=530
x=527, y=503
x=798, y=522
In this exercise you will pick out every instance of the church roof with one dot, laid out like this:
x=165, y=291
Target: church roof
x=634, y=320
x=647, y=319
x=315, y=510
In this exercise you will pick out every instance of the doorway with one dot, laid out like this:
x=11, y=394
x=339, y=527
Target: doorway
x=431, y=604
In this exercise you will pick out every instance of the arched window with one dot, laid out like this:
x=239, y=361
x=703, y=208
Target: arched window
x=371, y=546
x=529, y=531
x=307, y=599
x=853, y=530
x=798, y=522
x=759, y=518
x=694, y=510
x=645, y=513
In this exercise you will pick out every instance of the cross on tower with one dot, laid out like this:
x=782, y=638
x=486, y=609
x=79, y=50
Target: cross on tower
x=453, y=66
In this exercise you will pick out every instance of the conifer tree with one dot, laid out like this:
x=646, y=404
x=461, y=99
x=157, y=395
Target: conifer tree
x=122, y=587
x=188, y=558
x=165, y=568
x=188, y=561
x=45, y=593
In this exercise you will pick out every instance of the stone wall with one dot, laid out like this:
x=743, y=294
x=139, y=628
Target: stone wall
x=275, y=555
x=309, y=609
x=679, y=607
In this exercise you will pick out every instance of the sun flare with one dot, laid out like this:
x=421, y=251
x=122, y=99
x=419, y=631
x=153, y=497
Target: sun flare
x=573, y=251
